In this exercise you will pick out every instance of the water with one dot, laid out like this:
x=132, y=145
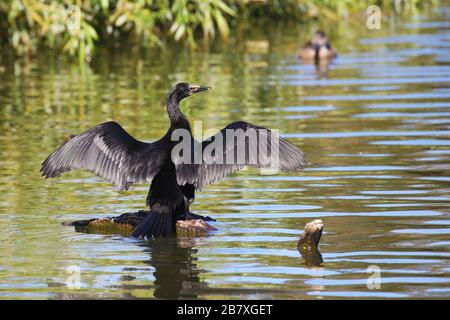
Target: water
x=376, y=133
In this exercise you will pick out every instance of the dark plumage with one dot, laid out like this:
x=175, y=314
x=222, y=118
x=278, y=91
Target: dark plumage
x=111, y=153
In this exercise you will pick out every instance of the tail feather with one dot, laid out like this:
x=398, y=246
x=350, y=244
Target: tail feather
x=155, y=225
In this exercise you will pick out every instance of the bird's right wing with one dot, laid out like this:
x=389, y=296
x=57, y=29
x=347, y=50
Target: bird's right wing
x=111, y=153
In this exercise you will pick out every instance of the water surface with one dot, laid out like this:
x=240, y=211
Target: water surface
x=375, y=127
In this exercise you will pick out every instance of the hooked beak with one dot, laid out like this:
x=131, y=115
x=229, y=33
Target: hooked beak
x=195, y=89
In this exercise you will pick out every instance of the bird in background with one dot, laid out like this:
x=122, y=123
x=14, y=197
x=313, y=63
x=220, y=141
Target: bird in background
x=108, y=151
x=318, y=48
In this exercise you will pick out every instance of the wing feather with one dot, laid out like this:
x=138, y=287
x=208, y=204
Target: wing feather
x=111, y=153
x=217, y=165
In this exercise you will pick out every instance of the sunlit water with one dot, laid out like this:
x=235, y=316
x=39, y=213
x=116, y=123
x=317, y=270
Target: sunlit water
x=376, y=130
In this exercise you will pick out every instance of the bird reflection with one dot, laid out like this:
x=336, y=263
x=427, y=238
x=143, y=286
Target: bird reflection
x=322, y=68
x=176, y=274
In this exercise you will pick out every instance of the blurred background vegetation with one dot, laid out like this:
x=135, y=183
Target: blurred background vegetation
x=75, y=26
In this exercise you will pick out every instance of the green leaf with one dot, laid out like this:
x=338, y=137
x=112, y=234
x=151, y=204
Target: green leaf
x=121, y=20
x=224, y=7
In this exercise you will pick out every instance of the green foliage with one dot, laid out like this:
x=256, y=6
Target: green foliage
x=75, y=25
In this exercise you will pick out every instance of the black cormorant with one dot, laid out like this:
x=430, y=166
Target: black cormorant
x=111, y=153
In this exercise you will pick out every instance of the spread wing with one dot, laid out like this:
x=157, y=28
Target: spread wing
x=251, y=145
x=111, y=153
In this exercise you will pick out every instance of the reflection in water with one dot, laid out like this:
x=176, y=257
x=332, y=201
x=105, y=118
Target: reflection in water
x=311, y=258
x=322, y=68
x=176, y=274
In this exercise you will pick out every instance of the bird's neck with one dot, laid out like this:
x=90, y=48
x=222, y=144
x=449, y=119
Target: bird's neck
x=177, y=119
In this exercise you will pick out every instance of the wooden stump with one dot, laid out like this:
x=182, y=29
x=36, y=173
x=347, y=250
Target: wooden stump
x=308, y=245
x=125, y=223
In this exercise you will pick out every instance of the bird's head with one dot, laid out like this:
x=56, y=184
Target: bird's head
x=320, y=39
x=183, y=90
